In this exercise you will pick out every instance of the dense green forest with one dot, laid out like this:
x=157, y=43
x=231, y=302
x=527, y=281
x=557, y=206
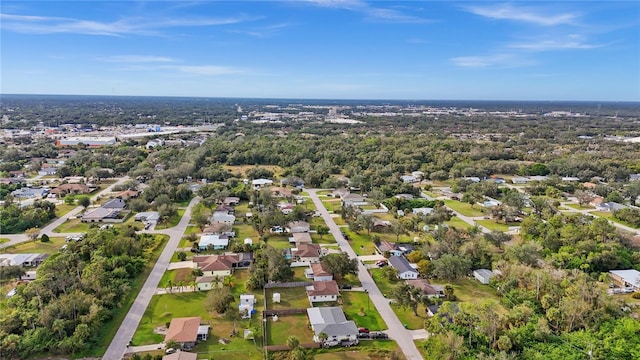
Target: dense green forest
x=76, y=292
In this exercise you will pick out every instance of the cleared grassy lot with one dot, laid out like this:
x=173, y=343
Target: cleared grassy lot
x=457, y=223
x=361, y=243
x=72, y=226
x=494, y=226
x=465, y=208
x=579, y=207
x=287, y=325
x=63, y=209
x=173, y=221
x=366, y=349
x=358, y=307
x=37, y=247
x=408, y=318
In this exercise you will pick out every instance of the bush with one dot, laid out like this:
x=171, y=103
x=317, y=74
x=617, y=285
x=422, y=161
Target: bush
x=636, y=295
x=45, y=238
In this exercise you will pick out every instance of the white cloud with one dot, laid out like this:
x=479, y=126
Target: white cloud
x=572, y=42
x=523, y=14
x=371, y=12
x=127, y=26
x=496, y=60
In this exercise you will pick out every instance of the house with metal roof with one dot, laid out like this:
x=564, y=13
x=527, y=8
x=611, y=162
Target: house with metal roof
x=331, y=321
x=405, y=271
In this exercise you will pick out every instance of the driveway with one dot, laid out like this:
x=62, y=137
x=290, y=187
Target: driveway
x=129, y=325
x=396, y=331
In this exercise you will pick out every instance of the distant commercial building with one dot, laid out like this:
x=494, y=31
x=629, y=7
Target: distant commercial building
x=89, y=141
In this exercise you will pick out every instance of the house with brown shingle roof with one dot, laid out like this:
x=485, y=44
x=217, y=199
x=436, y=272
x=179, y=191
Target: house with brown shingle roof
x=317, y=272
x=427, y=289
x=322, y=291
x=186, y=331
x=307, y=253
x=181, y=355
x=216, y=265
x=73, y=189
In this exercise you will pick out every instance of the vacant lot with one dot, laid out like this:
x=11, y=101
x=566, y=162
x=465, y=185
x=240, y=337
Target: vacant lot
x=72, y=226
x=290, y=298
x=37, y=247
x=465, y=209
x=358, y=307
x=287, y=325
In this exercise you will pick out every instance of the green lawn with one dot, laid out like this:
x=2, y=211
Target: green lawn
x=385, y=285
x=325, y=239
x=407, y=317
x=244, y=231
x=361, y=243
x=351, y=280
x=332, y=205
x=494, y=226
x=3, y=240
x=72, y=226
x=37, y=247
x=184, y=203
x=457, y=223
x=62, y=209
x=175, y=276
x=358, y=307
x=287, y=325
x=109, y=329
x=470, y=290
x=578, y=207
x=290, y=298
x=465, y=209
x=339, y=221
x=173, y=221
x=278, y=241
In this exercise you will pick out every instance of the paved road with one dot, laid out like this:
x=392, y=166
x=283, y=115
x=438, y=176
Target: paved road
x=396, y=331
x=15, y=239
x=588, y=212
x=118, y=346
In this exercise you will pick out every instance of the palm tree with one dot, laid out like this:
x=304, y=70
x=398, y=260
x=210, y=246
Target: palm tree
x=292, y=342
x=448, y=291
x=169, y=286
x=323, y=337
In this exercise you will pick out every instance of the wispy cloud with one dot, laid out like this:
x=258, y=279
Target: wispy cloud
x=503, y=60
x=127, y=26
x=139, y=59
x=572, y=42
x=264, y=31
x=523, y=14
x=371, y=12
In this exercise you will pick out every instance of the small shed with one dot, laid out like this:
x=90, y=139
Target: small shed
x=276, y=297
x=483, y=275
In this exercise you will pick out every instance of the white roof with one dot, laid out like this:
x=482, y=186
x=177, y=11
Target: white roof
x=215, y=240
x=261, y=182
x=629, y=276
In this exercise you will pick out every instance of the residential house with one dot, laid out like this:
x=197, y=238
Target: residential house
x=634, y=177
x=408, y=179
x=17, y=174
x=427, y=289
x=418, y=175
x=148, y=216
x=245, y=308
x=186, y=332
x=30, y=193
x=570, y=179
x=231, y=201
x=422, y=211
x=483, y=275
x=626, y=278
x=286, y=208
x=380, y=225
x=260, y=183
x=281, y=192
x=215, y=242
x=72, y=189
x=332, y=322
x=298, y=227
x=473, y=179
x=353, y=200
x=339, y=193
x=317, y=272
x=520, y=180
x=300, y=238
x=224, y=208
x=322, y=291
x=114, y=204
x=22, y=259
x=218, y=228
x=404, y=196
x=127, y=194
x=216, y=265
x=48, y=171
x=101, y=214
x=610, y=206
x=223, y=217
x=309, y=253
x=386, y=246
x=405, y=271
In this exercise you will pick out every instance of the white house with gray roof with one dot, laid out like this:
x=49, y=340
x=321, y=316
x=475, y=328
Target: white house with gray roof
x=331, y=321
x=405, y=271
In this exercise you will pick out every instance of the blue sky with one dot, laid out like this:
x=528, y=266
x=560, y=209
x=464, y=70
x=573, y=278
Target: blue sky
x=337, y=49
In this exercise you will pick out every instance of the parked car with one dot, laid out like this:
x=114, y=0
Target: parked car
x=345, y=286
x=381, y=263
x=349, y=343
x=378, y=335
x=363, y=330
x=330, y=343
x=363, y=336
x=195, y=250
